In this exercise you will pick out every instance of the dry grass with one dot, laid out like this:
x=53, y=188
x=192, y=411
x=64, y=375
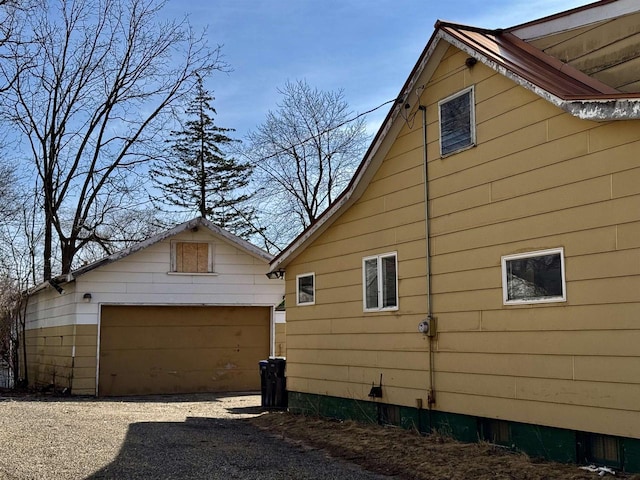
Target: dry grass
x=409, y=455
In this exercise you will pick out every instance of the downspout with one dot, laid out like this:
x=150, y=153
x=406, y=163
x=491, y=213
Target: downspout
x=23, y=331
x=431, y=399
x=73, y=358
x=273, y=332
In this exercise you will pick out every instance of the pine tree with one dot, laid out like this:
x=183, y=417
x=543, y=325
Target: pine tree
x=199, y=176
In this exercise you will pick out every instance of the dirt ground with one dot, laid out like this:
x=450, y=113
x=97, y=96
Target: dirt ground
x=411, y=456
x=209, y=436
x=186, y=437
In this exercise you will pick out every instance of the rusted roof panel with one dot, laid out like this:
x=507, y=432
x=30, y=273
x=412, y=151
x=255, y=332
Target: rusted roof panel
x=530, y=63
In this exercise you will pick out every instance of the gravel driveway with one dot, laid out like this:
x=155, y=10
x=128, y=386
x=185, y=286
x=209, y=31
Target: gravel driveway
x=182, y=437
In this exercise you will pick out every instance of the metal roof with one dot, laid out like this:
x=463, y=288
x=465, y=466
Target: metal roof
x=530, y=63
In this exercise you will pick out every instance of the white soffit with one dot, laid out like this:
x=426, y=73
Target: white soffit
x=580, y=18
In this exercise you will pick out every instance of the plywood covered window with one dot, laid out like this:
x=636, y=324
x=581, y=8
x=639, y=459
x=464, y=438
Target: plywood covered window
x=534, y=277
x=306, y=289
x=192, y=257
x=380, y=282
x=457, y=122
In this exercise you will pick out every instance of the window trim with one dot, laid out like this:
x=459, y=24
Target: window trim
x=298, y=277
x=173, y=266
x=472, y=119
x=378, y=259
x=536, y=253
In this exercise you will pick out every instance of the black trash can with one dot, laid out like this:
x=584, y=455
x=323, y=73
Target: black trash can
x=278, y=382
x=273, y=383
x=264, y=365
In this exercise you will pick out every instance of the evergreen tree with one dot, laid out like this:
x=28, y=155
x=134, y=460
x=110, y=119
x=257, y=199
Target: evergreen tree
x=199, y=176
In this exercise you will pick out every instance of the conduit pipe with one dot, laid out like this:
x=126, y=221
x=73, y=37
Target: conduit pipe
x=431, y=399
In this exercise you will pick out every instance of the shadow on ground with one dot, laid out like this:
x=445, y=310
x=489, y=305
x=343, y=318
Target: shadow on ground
x=216, y=448
x=196, y=448
x=252, y=410
x=30, y=396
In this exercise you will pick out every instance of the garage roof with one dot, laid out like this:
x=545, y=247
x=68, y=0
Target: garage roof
x=190, y=225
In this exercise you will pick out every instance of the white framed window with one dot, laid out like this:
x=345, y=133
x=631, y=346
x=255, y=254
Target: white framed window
x=457, y=122
x=306, y=289
x=380, y=282
x=192, y=257
x=534, y=277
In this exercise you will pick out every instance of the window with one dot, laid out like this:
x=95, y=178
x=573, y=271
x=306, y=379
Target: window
x=305, y=289
x=595, y=448
x=457, y=122
x=534, y=277
x=389, y=414
x=497, y=432
x=604, y=450
x=380, y=281
x=191, y=257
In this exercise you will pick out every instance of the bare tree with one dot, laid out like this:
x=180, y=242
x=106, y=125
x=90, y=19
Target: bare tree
x=123, y=229
x=95, y=83
x=12, y=16
x=10, y=297
x=19, y=237
x=10, y=197
x=303, y=156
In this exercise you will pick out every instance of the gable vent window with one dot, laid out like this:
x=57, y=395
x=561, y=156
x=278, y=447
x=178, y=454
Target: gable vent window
x=191, y=257
x=457, y=122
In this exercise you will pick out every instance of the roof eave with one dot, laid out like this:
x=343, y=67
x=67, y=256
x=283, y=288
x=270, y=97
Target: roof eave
x=189, y=225
x=605, y=107
x=574, y=18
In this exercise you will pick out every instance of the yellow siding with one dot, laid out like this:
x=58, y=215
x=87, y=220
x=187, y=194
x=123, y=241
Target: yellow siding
x=281, y=340
x=50, y=359
x=538, y=178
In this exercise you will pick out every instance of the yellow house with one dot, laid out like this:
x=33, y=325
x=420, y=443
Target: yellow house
x=518, y=321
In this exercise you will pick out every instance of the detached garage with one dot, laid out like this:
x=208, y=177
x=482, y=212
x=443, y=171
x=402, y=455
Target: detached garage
x=190, y=310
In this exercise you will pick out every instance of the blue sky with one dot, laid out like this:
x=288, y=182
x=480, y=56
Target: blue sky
x=367, y=48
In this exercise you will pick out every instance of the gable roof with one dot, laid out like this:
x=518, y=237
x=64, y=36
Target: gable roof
x=507, y=52
x=195, y=223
